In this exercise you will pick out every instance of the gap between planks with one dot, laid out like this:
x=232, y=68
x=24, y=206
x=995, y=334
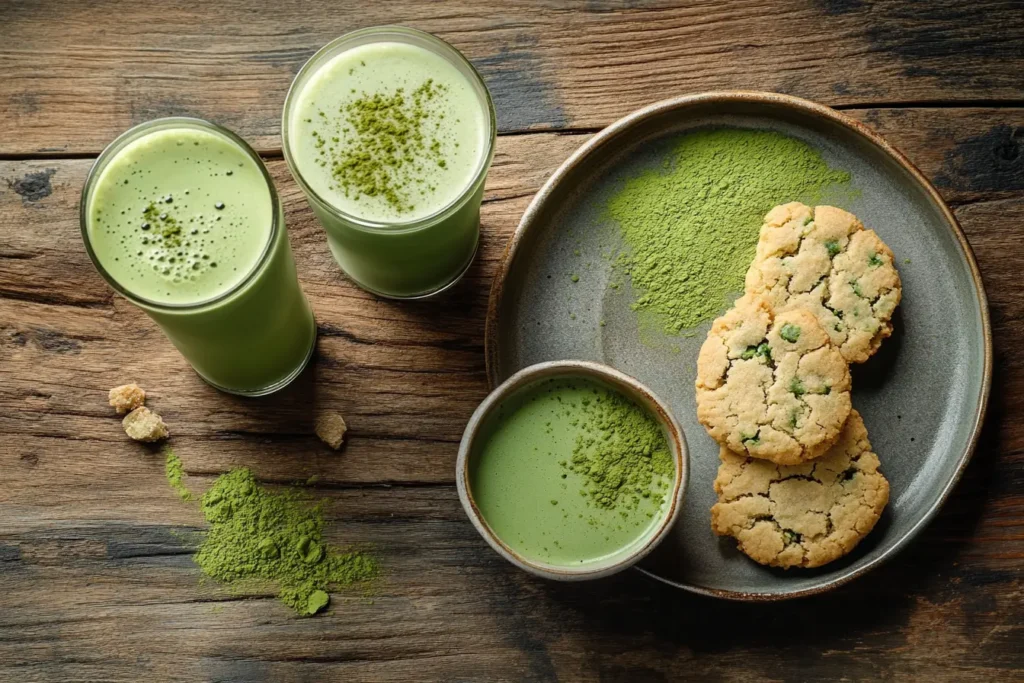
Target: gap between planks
x=276, y=153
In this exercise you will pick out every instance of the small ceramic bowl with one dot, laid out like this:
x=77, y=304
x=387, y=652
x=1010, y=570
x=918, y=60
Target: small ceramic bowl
x=628, y=387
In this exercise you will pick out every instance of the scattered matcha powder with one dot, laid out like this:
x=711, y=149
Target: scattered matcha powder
x=176, y=474
x=622, y=453
x=691, y=228
x=380, y=144
x=258, y=536
x=162, y=225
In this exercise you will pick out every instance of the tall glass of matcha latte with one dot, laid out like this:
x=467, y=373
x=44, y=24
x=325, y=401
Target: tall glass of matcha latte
x=390, y=132
x=180, y=216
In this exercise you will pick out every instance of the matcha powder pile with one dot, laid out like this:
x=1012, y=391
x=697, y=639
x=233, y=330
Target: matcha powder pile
x=621, y=453
x=691, y=229
x=259, y=536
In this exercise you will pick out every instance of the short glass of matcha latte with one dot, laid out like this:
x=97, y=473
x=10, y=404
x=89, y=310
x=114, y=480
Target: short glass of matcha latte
x=572, y=470
x=181, y=217
x=390, y=133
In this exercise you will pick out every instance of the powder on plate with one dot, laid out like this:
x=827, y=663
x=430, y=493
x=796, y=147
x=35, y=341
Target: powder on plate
x=622, y=453
x=257, y=535
x=691, y=228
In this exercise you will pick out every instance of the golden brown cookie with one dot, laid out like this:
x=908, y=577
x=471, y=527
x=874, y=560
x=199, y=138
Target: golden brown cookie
x=803, y=515
x=771, y=387
x=824, y=261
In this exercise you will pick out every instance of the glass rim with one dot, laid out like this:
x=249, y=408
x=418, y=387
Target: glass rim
x=449, y=52
x=140, y=130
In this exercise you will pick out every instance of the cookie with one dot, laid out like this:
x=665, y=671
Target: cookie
x=771, y=386
x=824, y=261
x=804, y=515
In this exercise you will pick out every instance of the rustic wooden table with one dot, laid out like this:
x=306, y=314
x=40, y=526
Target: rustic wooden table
x=96, y=582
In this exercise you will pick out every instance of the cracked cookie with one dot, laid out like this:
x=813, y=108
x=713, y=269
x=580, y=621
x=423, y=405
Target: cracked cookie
x=803, y=515
x=771, y=386
x=824, y=261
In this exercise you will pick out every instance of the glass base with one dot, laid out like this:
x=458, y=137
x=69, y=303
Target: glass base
x=428, y=295
x=276, y=386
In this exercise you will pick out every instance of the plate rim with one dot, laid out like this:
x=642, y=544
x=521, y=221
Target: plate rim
x=491, y=338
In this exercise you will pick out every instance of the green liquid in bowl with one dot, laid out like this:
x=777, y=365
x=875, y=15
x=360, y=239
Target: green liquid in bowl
x=541, y=503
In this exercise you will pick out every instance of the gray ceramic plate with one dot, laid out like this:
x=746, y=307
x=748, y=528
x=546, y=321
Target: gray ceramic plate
x=922, y=396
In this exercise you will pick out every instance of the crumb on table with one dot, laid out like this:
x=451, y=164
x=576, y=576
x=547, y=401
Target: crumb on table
x=331, y=428
x=142, y=424
x=127, y=398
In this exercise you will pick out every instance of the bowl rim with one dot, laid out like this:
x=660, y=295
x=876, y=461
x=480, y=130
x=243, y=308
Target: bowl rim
x=620, y=381
x=814, y=110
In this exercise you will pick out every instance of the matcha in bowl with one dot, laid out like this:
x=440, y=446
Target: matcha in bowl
x=180, y=216
x=572, y=470
x=390, y=133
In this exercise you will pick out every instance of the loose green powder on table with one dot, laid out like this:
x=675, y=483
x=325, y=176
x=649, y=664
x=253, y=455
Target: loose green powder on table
x=176, y=474
x=258, y=536
x=691, y=228
x=621, y=452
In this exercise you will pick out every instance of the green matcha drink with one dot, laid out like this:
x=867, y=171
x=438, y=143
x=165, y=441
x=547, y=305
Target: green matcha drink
x=390, y=132
x=570, y=472
x=181, y=217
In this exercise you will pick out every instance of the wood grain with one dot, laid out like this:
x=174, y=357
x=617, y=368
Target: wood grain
x=405, y=376
x=88, y=515
x=96, y=580
x=109, y=601
x=549, y=65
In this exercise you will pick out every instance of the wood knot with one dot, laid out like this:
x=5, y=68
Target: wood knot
x=34, y=186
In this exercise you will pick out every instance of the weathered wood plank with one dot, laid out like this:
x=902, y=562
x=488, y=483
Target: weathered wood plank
x=549, y=64
x=88, y=600
x=405, y=376
x=66, y=338
x=96, y=578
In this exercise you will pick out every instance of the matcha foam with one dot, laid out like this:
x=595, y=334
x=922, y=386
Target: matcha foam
x=388, y=131
x=180, y=215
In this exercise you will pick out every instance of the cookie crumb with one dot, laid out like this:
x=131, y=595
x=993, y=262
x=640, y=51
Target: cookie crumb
x=126, y=398
x=142, y=424
x=331, y=428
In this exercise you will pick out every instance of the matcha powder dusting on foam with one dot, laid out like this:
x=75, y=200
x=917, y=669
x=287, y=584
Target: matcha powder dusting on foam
x=691, y=228
x=258, y=536
x=382, y=142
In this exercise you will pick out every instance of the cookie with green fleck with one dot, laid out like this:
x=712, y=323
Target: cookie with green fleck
x=771, y=386
x=802, y=515
x=823, y=260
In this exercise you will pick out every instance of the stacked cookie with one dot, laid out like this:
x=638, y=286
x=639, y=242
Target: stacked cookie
x=798, y=484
